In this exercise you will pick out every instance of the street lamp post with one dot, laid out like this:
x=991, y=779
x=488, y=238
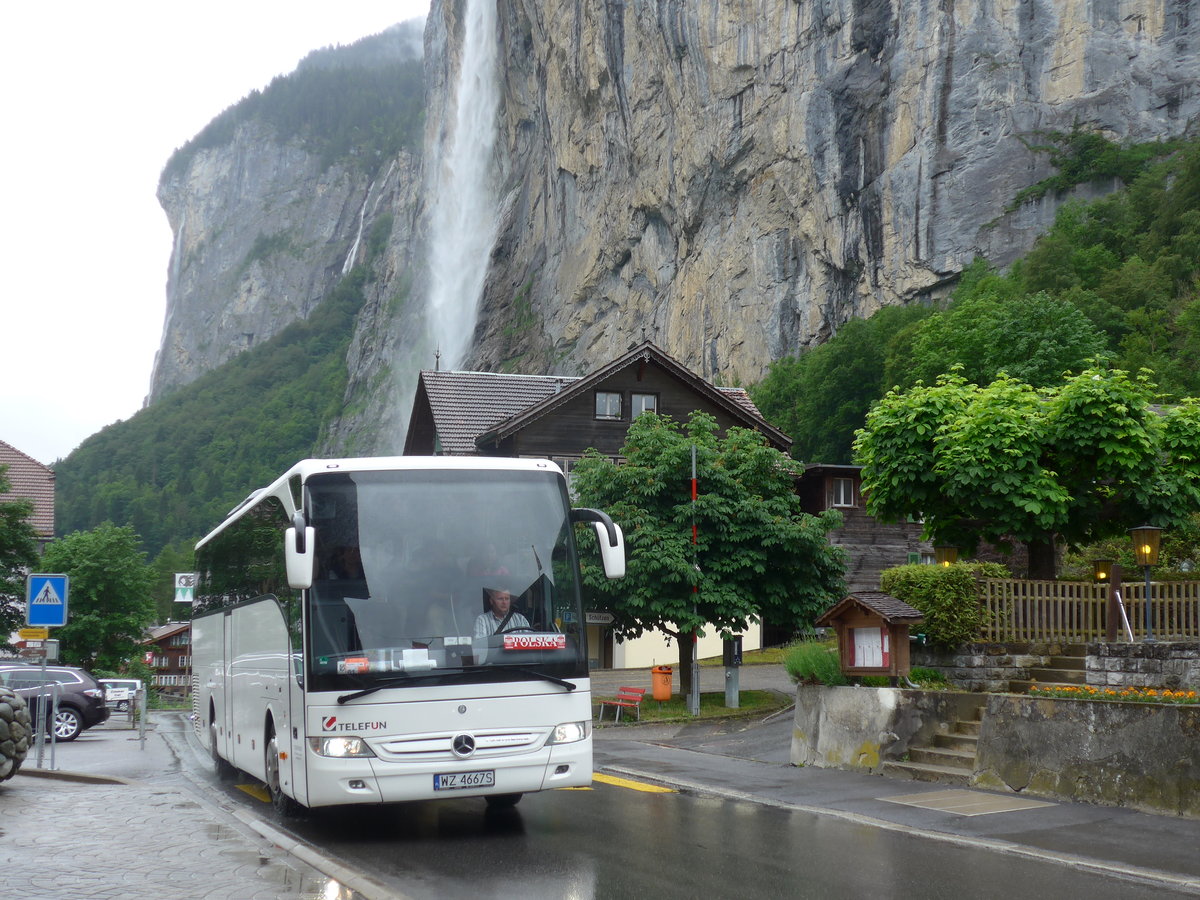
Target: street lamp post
x=1145, y=551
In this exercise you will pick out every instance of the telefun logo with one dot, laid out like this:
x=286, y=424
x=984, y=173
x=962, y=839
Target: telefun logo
x=330, y=723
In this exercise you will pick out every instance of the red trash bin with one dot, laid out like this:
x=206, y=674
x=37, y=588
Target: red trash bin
x=660, y=678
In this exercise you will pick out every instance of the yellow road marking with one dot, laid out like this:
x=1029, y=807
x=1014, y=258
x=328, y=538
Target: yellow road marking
x=632, y=785
x=257, y=791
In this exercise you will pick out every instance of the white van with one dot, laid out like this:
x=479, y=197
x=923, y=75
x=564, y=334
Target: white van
x=120, y=692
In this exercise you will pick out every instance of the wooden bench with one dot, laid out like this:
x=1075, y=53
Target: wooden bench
x=627, y=698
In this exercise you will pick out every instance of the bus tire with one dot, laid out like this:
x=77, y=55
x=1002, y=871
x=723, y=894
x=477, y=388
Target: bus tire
x=283, y=804
x=503, y=801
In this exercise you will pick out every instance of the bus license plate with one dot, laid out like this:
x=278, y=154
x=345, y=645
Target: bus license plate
x=455, y=780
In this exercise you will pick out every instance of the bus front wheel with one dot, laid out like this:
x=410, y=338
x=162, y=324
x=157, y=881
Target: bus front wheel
x=284, y=805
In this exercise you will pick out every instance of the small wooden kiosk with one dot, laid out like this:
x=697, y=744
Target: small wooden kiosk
x=872, y=632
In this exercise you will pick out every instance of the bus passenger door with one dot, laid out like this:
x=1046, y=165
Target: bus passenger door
x=297, y=729
x=221, y=692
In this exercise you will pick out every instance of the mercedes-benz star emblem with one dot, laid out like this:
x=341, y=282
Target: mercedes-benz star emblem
x=464, y=744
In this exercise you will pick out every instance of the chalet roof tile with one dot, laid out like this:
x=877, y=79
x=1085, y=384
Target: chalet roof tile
x=30, y=480
x=466, y=404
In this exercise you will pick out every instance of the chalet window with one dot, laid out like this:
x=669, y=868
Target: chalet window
x=608, y=404
x=640, y=403
x=841, y=492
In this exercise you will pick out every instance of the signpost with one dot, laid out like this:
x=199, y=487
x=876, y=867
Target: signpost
x=46, y=600
x=598, y=617
x=46, y=607
x=185, y=587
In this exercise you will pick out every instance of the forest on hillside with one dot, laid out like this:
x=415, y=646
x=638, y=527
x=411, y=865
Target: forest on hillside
x=1116, y=280
x=358, y=107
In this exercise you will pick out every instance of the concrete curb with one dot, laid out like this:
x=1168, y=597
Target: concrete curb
x=323, y=863
x=80, y=777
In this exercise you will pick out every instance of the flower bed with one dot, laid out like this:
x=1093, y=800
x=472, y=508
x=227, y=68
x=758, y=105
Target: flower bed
x=1120, y=695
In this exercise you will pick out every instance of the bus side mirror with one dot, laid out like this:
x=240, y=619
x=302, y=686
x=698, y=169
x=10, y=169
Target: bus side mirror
x=609, y=536
x=612, y=554
x=300, y=556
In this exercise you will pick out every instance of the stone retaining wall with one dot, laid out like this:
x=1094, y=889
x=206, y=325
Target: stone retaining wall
x=1169, y=664
x=984, y=667
x=1139, y=755
x=991, y=667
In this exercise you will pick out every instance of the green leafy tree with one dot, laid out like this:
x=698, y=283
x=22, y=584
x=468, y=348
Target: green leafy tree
x=756, y=553
x=18, y=553
x=111, y=601
x=1035, y=338
x=822, y=397
x=1006, y=462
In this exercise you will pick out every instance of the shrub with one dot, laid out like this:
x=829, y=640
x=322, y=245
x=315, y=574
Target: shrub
x=814, y=662
x=948, y=597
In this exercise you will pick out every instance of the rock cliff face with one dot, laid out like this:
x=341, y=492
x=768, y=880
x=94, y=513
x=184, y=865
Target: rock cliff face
x=262, y=232
x=739, y=177
x=732, y=178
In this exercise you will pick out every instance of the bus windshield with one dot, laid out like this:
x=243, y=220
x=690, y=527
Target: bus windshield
x=441, y=575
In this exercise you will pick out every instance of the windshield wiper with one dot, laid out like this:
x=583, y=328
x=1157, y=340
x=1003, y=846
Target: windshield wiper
x=399, y=679
x=553, y=679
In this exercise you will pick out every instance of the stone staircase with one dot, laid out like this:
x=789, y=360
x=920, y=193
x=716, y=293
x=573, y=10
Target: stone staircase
x=1068, y=666
x=949, y=759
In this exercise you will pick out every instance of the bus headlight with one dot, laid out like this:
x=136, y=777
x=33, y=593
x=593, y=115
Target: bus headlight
x=340, y=747
x=570, y=732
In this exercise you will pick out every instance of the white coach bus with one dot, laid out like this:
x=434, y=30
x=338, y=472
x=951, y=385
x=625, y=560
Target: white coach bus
x=403, y=628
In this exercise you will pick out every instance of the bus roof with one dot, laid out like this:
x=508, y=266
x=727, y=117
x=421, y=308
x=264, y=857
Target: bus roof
x=281, y=488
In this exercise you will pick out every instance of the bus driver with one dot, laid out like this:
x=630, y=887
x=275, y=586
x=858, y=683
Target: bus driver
x=499, y=606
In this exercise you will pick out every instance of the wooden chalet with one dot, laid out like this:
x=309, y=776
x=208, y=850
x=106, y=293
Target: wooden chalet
x=871, y=546
x=559, y=418
x=168, y=652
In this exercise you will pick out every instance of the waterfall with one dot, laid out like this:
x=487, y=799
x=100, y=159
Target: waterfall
x=362, y=216
x=463, y=219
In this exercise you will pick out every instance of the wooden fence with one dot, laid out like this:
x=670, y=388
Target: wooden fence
x=1076, y=611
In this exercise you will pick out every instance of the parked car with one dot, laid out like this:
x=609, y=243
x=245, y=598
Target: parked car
x=119, y=693
x=80, y=698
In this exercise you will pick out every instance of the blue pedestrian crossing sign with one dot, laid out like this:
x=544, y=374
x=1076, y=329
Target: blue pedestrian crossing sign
x=46, y=600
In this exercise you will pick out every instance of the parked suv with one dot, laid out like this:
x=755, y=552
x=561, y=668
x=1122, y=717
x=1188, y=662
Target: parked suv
x=80, y=698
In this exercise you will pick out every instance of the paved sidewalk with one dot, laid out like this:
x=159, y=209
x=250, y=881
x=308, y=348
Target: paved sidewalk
x=124, y=821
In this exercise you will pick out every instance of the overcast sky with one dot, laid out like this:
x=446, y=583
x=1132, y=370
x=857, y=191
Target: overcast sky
x=96, y=98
